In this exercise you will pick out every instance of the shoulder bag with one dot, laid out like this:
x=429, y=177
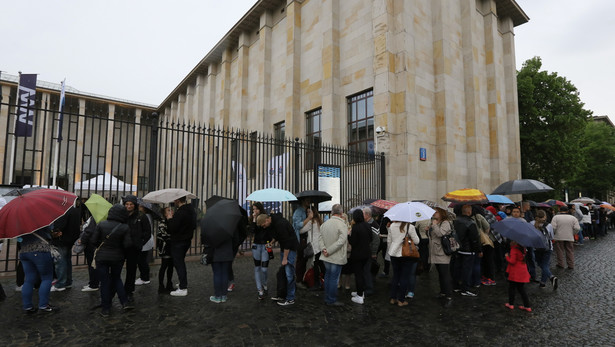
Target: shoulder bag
x=309, y=248
x=408, y=248
x=55, y=253
x=450, y=242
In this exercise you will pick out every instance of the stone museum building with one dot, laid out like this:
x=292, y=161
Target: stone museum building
x=429, y=83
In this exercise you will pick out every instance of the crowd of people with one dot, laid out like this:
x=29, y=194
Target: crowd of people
x=320, y=255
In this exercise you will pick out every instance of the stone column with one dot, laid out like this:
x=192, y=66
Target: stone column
x=512, y=100
x=224, y=96
x=212, y=73
x=241, y=90
x=137, y=148
x=80, y=141
x=334, y=121
x=263, y=90
x=198, y=106
x=293, y=115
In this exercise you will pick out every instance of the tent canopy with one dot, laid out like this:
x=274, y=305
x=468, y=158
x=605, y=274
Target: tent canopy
x=105, y=183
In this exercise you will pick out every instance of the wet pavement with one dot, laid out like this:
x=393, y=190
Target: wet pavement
x=580, y=312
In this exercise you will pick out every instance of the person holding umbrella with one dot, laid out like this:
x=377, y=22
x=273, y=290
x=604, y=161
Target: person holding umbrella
x=181, y=226
x=35, y=255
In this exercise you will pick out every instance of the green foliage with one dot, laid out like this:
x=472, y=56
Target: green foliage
x=596, y=176
x=551, y=121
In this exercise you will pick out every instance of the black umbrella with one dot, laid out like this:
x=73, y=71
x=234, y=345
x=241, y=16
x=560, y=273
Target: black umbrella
x=213, y=200
x=523, y=186
x=220, y=222
x=316, y=196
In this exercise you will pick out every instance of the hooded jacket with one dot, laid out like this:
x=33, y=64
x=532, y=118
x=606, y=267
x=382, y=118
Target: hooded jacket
x=181, y=226
x=112, y=241
x=469, y=239
x=360, y=237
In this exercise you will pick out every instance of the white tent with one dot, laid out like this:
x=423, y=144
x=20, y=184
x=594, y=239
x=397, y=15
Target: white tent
x=105, y=183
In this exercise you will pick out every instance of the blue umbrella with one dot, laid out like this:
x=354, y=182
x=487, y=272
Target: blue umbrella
x=522, y=232
x=271, y=194
x=499, y=199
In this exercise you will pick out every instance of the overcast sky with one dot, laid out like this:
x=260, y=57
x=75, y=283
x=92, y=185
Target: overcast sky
x=140, y=50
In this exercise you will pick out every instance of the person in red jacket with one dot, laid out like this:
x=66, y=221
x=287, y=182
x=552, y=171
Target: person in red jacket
x=518, y=275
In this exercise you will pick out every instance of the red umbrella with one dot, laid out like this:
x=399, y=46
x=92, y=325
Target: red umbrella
x=34, y=210
x=384, y=204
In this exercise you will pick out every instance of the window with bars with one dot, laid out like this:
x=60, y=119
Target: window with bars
x=361, y=123
x=279, y=134
x=313, y=137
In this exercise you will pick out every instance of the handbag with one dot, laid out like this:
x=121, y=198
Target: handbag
x=408, y=248
x=78, y=247
x=309, y=249
x=55, y=253
x=450, y=242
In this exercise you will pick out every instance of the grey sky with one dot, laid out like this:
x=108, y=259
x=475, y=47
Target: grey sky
x=140, y=50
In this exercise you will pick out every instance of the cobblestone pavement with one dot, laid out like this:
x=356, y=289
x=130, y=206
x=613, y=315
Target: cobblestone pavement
x=580, y=312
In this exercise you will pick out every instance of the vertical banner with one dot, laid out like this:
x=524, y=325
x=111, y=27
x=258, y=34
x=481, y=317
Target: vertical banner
x=25, y=100
x=329, y=179
x=276, y=178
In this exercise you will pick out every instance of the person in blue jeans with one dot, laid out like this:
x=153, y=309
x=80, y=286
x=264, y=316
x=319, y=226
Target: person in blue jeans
x=333, y=245
x=543, y=255
x=36, y=258
x=282, y=231
x=259, y=250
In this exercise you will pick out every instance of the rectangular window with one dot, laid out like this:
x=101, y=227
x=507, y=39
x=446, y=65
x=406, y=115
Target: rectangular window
x=313, y=138
x=361, y=124
x=279, y=134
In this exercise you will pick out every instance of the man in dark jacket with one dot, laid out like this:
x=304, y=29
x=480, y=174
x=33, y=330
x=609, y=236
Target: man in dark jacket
x=65, y=232
x=111, y=238
x=283, y=232
x=470, y=245
x=140, y=232
x=181, y=227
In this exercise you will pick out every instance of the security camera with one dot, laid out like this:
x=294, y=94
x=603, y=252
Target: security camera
x=380, y=130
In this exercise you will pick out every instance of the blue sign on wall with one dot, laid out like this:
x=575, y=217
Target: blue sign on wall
x=423, y=154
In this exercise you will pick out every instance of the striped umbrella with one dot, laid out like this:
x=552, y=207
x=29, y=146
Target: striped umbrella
x=384, y=204
x=466, y=196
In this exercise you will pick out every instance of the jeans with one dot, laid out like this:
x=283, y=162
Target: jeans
x=179, y=248
x=367, y=275
x=531, y=263
x=543, y=258
x=476, y=270
x=261, y=263
x=92, y=272
x=36, y=264
x=143, y=265
x=462, y=271
x=110, y=274
x=64, y=268
x=412, y=277
x=290, y=274
x=401, y=277
x=132, y=257
x=220, y=270
x=332, y=277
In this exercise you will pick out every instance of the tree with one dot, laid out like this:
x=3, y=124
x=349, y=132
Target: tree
x=596, y=176
x=551, y=121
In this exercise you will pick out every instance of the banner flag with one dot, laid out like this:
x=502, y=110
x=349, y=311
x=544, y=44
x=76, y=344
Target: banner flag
x=25, y=109
x=61, y=112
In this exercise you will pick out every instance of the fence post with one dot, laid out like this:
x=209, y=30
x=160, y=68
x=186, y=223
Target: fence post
x=297, y=166
x=153, y=157
x=383, y=185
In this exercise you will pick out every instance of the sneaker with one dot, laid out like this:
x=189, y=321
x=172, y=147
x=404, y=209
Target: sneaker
x=490, y=282
x=402, y=303
x=457, y=290
x=261, y=295
x=554, y=282
x=223, y=298
x=231, y=287
x=527, y=309
x=358, y=299
x=129, y=305
x=179, y=292
x=410, y=295
x=353, y=294
x=468, y=293
x=512, y=307
x=286, y=302
x=542, y=286
x=393, y=301
x=49, y=308
x=88, y=289
x=18, y=288
x=104, y=313
x=139, y=282
x=56, y=289
x=277, y=298
x=31, y=310
x=215, y=299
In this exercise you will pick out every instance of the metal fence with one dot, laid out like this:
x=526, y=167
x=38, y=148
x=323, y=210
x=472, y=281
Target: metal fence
x=145, y=153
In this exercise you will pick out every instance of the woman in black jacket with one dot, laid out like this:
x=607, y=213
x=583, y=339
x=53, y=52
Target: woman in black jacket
x=360, y=239
x=112, y=237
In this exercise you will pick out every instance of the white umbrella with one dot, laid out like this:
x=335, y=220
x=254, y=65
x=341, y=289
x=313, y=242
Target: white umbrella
x=409, y=211
x=168, y=195
x=584, y=200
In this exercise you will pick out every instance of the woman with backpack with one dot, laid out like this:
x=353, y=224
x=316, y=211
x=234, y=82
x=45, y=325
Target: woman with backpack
x=441, y=225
